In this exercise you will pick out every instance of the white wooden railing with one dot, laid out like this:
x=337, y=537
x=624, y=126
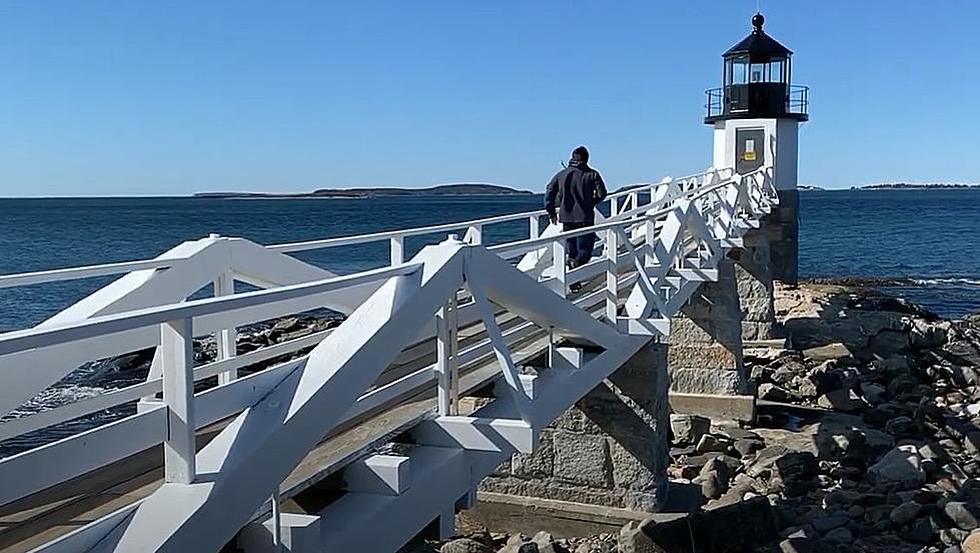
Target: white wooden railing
x=660, y=241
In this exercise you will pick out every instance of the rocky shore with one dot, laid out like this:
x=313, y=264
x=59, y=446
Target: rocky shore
x=867, y=439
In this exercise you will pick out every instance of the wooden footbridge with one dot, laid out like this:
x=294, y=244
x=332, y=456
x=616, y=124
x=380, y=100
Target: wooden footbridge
x=367, y=426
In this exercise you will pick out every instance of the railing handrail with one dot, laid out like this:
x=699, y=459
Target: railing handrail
x=38, y=337
x=20, y=340
x=720, y=201
x=12, y=280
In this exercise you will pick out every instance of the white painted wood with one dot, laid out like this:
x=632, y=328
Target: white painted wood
x=443, y=376
x=644, y=327
x=477, y=434
x=454, y=353
x=612, y=277
x=263, y=444
x=440, y=477
x=474, y=235
x=177, y=354
x=299, y=534
x=226, y=339
x=242, y=306
x=502, y=352
x=379, y=474
x=87, y=537
x=286, y=408
x=515, y=291
x=397, y=249
x=36, y=469
x=558, y=260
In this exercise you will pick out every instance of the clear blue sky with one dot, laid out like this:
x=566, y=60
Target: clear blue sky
x=175, y=97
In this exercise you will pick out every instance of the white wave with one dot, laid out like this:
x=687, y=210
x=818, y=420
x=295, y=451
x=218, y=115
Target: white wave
x=951, y=280
x=54, y=397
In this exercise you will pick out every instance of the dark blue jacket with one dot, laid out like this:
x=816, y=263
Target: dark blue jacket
x=573, y=194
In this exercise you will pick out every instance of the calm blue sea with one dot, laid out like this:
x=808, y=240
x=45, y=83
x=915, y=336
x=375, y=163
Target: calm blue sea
x=930, y=236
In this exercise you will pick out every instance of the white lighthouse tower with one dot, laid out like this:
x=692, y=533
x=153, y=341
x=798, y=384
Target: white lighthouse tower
x=756, y=116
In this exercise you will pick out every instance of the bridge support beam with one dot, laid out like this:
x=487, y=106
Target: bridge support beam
x=705, y=344
x=609, y=450
x=753, y=274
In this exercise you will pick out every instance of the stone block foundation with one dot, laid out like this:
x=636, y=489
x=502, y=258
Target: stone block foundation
x=753, y=274
x=705, y=344
x=784, y=237
x=609, y=450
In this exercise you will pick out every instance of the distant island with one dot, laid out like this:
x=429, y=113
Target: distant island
x=441, y=190
x=810, y=188
x=917, y=186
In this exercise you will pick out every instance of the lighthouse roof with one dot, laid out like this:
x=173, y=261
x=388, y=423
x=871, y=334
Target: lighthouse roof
x=759, y=44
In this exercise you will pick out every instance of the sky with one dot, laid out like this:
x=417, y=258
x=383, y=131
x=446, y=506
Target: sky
x=177, y=97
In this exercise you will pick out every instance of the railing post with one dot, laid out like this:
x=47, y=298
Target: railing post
x=474, y=235
x=226, y=339
x=454, y=353
x=612, y=282
x=558, y=260
x=534, y=226
x=177, y=350
x=613, y=207
x=397, y=250
x=443, y=350
x=649, y=239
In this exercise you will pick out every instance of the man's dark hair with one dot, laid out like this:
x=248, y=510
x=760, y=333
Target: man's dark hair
x=580, y=154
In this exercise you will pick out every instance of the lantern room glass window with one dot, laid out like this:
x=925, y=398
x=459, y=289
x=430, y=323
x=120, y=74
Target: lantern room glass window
x=741, y=70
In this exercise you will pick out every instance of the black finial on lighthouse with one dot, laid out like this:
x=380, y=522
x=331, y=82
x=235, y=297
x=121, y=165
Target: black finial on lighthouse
x=756, y=81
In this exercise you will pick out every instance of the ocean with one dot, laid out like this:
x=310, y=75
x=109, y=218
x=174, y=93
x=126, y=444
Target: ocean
x=923, y=243
x=926, y=240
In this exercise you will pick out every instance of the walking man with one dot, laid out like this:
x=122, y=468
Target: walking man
x=571, y=198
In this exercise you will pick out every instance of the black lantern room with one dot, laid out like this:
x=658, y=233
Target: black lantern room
x=757, y=81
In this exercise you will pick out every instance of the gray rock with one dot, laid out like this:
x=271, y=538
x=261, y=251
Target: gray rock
x=841, y=400
x=632, y=539
x=904, y=513
x=465, y=545
x=889, y=341
x=709, y=443
x=898, y=426
x=803, y=540
x=545, y=542
x=712, y=486
x=516, y=544
x=839, y=535
x=935, y=452
x=688, y=429
x=872, y=393
x=921, y=531
x=963, y=515
x=748, y=446
x=828, y=523
x=900, y=467
x=829, y=352
x=772, y=392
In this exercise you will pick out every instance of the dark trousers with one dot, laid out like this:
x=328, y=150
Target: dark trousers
x=579, y=248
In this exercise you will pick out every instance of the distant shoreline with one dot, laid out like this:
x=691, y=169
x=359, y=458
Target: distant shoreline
x=356, y=193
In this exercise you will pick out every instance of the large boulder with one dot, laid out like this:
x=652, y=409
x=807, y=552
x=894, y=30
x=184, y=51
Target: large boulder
x=688, y=429
x=900, y=468
x=465, y=545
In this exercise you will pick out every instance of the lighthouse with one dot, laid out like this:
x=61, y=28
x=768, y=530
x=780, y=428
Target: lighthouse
x=756, y=116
